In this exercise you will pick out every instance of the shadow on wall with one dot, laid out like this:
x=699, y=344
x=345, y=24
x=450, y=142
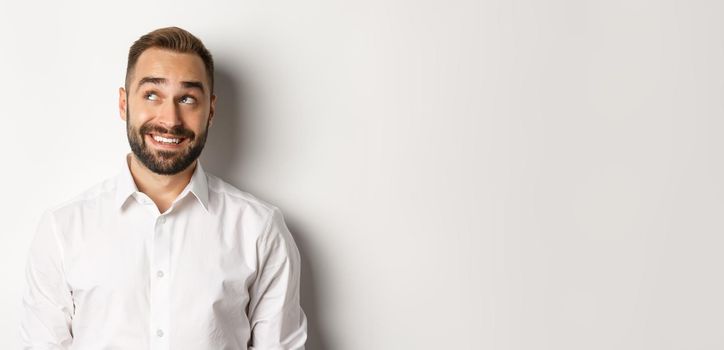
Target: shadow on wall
x=228, y=146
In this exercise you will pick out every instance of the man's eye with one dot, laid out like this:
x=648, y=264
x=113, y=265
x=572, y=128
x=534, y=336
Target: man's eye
x=188, y=100
x=151, y=96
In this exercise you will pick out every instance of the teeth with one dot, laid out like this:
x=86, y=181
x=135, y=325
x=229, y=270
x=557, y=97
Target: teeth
x=165, y=140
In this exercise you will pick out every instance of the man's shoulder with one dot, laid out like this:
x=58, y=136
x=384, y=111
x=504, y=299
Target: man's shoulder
x=91, y=196
x=234, y=198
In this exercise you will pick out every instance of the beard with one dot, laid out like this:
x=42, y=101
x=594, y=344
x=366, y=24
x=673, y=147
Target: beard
x=165, y=162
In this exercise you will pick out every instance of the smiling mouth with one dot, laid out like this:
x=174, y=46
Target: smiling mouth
x=166, y=141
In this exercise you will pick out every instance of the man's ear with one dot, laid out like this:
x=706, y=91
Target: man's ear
x=212, y=110
x=122, y=103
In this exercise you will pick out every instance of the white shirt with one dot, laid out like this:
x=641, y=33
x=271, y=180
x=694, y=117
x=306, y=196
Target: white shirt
x=218, y=270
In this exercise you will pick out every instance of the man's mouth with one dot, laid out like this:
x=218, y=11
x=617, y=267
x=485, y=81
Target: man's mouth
x=166, y=141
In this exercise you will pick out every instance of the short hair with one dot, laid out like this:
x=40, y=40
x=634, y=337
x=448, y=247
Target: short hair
x=174, y=39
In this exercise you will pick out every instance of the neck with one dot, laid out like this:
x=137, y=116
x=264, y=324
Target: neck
x=162, y=189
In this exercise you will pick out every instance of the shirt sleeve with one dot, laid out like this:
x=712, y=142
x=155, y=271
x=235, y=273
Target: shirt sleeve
x=47, y=305
x=275, y=314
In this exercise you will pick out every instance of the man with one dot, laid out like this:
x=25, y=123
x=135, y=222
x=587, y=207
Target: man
x=164, y=255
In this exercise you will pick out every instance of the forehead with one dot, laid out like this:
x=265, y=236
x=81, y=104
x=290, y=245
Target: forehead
x=171, y=65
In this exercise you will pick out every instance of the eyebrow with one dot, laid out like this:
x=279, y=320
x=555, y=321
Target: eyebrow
x=193, y=85
x=163, y=81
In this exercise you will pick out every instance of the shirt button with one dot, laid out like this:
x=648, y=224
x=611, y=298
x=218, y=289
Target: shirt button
x=159, y=333
x=159, y=273
x=161, y=220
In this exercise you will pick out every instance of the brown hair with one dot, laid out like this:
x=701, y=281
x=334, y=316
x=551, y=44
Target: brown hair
x=175, y=39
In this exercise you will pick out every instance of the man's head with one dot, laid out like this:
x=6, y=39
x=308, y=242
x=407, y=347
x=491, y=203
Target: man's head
x=168, y=102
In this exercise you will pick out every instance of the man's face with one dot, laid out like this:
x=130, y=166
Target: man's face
x=168, y=109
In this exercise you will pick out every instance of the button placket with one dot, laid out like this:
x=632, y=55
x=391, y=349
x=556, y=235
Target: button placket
x=160, y=288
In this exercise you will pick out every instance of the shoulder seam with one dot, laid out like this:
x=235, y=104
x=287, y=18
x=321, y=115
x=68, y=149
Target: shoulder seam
x=82, y=198
x=243, y=195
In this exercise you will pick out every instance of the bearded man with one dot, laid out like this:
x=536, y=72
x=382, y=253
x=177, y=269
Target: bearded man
x=164, y=255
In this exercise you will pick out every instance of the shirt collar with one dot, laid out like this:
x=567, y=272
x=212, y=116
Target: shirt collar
x=125, y=186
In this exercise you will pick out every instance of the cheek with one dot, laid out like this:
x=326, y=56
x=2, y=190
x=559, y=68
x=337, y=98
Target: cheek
x=195, y=120
x=139, y=116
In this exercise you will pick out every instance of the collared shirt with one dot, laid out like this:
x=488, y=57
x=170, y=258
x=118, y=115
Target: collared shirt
x=217, y=270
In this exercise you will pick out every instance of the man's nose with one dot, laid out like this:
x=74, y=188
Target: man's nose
x=170, y=114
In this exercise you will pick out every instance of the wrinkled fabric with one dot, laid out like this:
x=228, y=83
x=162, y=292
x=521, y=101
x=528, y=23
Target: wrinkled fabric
x=218, y=270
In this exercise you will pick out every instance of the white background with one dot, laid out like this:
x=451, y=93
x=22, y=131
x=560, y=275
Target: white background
x=458, y=174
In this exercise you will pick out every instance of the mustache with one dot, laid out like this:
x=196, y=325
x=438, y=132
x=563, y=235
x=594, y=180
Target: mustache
x=176, y=131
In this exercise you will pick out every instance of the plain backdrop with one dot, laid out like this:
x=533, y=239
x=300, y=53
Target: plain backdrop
x=458, y=174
